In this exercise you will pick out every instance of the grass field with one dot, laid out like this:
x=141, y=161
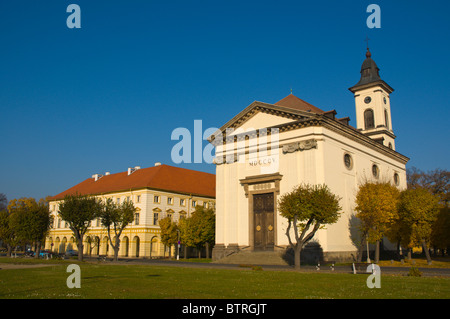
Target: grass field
x=105, y=281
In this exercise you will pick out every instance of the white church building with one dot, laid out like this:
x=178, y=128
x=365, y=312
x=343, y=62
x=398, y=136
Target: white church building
x=268, y=149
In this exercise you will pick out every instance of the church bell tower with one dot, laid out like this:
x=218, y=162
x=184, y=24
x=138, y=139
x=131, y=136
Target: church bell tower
x=373, y=109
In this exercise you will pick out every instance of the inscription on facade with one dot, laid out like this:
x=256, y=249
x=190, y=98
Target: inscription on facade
x=262, y=161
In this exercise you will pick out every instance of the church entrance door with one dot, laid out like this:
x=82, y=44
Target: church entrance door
x=263, y=209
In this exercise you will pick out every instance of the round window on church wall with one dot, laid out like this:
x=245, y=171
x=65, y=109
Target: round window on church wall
x=375, y=171
x=348, y=161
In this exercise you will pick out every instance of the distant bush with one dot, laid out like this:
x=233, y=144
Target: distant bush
x=414, y=272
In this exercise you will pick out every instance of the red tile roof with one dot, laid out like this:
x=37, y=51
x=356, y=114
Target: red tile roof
x=162, y=177
x=296, y=103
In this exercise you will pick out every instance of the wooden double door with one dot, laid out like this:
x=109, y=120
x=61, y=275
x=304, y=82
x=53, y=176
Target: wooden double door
x=264, y=223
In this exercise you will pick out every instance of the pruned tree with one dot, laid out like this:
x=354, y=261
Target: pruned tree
x=78, y=211
x=376, y=208
x=307, y=208
x=169, y=233
x=115, y=217
x=418, y=210
x=198, y=230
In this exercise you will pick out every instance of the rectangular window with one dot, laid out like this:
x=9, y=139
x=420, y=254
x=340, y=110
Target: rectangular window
x=118, y=200
x=194, y=203
x=138, y=199
x=182, y=202
x=136, y=218
x=170, y=200
x=155, y=218
x=128, y=198
x=156, y=199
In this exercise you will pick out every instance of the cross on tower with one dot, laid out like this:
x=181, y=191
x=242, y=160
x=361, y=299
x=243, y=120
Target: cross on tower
x=367, y=41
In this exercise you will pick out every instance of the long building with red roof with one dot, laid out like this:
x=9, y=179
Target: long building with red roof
x=159, y=191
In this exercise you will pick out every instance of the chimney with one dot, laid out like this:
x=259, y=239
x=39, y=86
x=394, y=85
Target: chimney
x=96, y=177
x=157, y=164
x=107, y=173
x=131, y=170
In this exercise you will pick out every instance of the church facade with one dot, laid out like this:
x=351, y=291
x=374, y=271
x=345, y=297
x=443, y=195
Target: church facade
x=268, y=149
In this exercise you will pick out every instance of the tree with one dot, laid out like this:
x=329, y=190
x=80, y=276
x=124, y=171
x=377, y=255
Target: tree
x=7, y=234
x=436, y=181
x=376, y=208
x=116, y=216
x=418, y=210
x=3, y=202
x=78, y=211
x=205, y=222
x=198, y=230
x=30, y=221
x=305, y=207
x=169, y=232
x=440, y=232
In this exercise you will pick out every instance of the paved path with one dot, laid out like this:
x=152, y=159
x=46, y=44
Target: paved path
x=444, y=272
x=23, y=266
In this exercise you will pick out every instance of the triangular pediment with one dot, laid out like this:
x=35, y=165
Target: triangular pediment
x=263, y=115
x=262, y=119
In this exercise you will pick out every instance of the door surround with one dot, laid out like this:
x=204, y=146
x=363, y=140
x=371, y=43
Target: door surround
x=261, y=184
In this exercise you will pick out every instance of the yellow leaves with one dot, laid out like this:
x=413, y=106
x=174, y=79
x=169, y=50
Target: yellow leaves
x=376, y=207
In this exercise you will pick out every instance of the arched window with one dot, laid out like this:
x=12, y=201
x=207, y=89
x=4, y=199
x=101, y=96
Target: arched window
x=396, y=179
x=386, y=119
x=369, y=121
x=375, y=171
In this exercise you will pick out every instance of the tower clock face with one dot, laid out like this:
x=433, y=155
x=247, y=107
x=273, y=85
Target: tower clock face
x=367, y=99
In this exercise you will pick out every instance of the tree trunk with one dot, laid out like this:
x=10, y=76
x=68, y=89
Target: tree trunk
x=426, y=251
x=361, y=250
x=80, y=249
x=38, y=249
x=377, y=251
x=297, y=253
x=116, y=248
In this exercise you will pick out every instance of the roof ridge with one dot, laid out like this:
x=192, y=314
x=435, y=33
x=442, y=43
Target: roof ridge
x=294, y=102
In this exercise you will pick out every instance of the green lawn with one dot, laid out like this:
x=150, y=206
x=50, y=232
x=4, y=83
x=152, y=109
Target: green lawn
x=139, y=281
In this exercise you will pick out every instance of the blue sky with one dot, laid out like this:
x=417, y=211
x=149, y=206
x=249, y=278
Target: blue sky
x=75, y=102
